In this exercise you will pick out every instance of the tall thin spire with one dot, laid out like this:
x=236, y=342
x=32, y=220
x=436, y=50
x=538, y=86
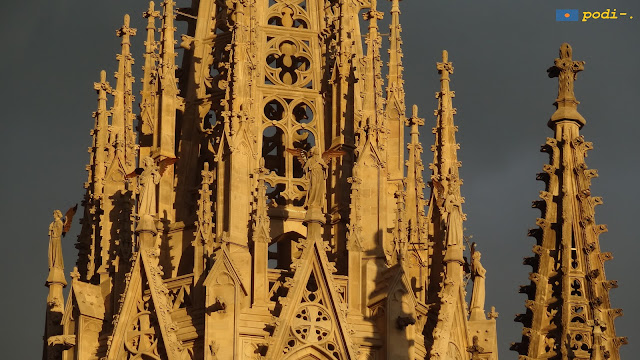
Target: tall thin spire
x=445, y=158
x=395, y=97
x=122, y=122
x=415, y=179
x=445, y=221
x=568, y=310
x=395, y=85
x=100, y=134
x=88, y=239
x=148, y=103
x=374, y=101
x=168, y=86
x=415, y=202
x=169, y=104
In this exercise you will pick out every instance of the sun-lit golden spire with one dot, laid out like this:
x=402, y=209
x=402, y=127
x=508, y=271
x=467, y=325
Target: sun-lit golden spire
x=122, y=121
x=148, y=106
x=569, y=313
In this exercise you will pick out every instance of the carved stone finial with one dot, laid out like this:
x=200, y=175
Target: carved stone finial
x=75, y=275
x=151, y=12
x=475, y=350
x=125, y=31
x=414, y=120
x=566, y=70
x=445, y=68
x=493, y=314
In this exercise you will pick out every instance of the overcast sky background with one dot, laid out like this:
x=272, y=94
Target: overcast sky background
x=53, y=51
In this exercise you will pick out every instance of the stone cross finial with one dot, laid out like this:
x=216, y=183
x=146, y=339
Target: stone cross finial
x=75, y=275
x=445, y=68
x=414, y=119
x=103, y=86
x=125, y=31
x=151, y=13
x=493, y=314
x=566, y=70
x=475, y=349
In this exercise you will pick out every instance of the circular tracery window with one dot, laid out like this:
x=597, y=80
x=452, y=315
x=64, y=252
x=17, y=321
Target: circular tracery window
x=312, y=323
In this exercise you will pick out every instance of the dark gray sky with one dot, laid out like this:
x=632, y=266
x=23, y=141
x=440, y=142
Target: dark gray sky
x=53, y=52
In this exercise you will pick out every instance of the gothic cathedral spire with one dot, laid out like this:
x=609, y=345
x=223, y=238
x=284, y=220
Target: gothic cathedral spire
x=568, y=315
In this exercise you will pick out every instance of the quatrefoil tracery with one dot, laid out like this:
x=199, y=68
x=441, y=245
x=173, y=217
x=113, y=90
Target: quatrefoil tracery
x=289, y=14
x=312, y=323
x=288, y=63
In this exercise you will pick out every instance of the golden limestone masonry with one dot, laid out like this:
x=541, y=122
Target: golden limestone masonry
x=256, y=203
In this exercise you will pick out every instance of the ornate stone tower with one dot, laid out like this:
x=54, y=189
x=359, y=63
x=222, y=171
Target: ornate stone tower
x=568, y=311
x=261, y=206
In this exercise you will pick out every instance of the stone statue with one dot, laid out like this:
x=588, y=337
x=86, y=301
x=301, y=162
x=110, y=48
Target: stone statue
x=57, y=229
x=315, y=170
x=55, y=241
x=149, y=176
x=453, y=207
x=478, y=275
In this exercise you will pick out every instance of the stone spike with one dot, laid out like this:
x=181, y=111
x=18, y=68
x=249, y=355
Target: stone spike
x=94, y=186
x=445, y=155
x=395, y=97
x=168, y=104
x=573, y=277
x=396, y=83
x=373, y=76
x=168, y=89
x=122, y=122
x=445, y=215
x=415, y=201
x=100, y=134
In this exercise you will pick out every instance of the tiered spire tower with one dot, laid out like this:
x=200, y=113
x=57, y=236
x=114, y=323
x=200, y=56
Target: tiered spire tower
x=264, y=209
x=568, y=315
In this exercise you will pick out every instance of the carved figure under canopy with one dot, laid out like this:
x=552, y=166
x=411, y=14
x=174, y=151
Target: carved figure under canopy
x=149, y=176
x=315, y=170
x=478, y=275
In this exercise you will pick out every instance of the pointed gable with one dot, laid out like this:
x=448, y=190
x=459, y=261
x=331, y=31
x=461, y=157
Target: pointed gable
x=313, y=315
x=116, y=170
x=143, y=324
